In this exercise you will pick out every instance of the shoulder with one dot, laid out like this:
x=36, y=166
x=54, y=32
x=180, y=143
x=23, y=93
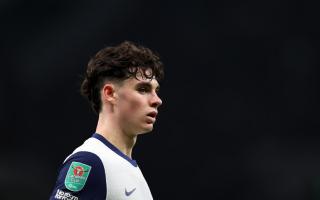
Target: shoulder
x=82, y=175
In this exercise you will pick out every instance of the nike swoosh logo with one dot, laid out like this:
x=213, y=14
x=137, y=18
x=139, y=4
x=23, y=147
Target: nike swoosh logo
x=130, y=192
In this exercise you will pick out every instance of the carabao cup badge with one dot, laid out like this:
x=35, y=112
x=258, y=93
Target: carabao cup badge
x=77, y=176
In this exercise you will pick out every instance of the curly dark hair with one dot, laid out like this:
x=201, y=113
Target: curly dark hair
x=118, y=63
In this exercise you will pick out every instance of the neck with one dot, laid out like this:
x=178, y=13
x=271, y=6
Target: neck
x=110, y=129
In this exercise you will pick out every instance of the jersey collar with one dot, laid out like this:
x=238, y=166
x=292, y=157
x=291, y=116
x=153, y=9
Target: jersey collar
x=114, y=149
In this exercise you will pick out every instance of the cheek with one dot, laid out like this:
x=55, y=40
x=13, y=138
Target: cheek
x=131, y=103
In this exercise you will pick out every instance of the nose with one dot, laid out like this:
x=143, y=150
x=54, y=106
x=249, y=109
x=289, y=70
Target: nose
x=156, y=101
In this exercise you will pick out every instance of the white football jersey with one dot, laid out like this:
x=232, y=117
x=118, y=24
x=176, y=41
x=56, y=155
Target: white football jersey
x=98, y=170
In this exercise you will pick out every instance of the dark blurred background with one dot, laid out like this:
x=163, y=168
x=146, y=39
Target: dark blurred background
x=241, y=92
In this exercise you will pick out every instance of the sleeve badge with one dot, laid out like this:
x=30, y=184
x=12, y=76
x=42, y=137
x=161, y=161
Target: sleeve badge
x=77, y=176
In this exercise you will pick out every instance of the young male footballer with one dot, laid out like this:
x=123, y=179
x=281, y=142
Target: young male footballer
x=121, y=84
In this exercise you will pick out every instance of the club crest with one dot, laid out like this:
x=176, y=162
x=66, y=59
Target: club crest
x=77, y=176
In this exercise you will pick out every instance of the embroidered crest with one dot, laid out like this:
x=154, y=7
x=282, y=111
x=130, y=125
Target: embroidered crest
x=77, y=176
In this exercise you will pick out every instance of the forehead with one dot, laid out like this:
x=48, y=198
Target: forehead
x=141, y=78
x=132, y=81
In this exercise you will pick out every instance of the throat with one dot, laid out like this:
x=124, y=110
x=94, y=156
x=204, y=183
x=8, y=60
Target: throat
x=111, y=131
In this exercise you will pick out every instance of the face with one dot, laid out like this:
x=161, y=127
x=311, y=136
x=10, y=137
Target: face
x=137, y=103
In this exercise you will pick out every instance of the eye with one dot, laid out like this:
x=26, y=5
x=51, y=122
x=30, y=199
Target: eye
x=142, y=89
x=158, y=91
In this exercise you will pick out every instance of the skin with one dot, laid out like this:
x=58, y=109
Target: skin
x=125, y=109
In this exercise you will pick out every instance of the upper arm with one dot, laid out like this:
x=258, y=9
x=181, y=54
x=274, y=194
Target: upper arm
x=82, y=176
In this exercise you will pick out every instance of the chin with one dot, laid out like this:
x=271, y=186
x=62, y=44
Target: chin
x=146, y=129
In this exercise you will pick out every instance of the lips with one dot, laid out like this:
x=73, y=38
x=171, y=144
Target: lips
x=152, y=117
x=152, y=114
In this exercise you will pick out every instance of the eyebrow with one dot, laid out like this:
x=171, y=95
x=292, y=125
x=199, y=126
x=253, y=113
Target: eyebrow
x=147, y=84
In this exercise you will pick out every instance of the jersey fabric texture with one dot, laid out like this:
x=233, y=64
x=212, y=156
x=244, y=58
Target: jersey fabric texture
x=111, y=175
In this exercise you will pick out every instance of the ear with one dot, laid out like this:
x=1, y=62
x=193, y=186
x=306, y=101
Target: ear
x=108, y=93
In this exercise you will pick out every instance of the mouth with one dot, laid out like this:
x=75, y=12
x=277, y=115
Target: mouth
x=151, y=117
x=152, y=114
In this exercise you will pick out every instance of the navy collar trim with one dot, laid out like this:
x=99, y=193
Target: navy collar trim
x=114, y=149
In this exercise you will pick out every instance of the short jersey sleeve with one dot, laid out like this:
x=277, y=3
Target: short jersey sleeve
x=81, y=176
